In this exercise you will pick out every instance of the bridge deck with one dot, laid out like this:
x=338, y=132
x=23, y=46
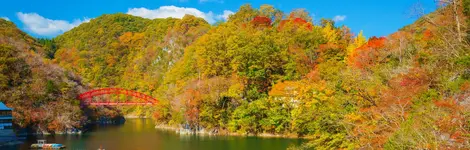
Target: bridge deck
x=87, y=98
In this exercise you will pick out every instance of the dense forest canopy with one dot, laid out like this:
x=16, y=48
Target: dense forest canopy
x=42, y=94
x=263, y=71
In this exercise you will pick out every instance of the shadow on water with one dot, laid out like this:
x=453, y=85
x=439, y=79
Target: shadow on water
x=141, y=134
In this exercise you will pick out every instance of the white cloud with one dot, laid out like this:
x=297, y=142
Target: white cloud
x=6, y=18
x=176, y=12
x=225, y=15
x=339, y=18
x=47, y=27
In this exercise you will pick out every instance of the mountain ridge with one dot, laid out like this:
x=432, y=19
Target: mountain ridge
x=264, y=71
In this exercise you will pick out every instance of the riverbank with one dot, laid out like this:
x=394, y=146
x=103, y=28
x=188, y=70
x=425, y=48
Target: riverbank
x=135, y=117
x=78, y=132
x=38, y=130
x=182, y=131
x=141, y=134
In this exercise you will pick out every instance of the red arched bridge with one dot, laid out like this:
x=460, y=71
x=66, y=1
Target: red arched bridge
x=95, y=97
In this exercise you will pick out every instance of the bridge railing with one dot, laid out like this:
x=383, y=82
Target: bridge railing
x=89, y=95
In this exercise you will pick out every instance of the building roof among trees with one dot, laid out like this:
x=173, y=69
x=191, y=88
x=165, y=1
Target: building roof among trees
x=4, y=107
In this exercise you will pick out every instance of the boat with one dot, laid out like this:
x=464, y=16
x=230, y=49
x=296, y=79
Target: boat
x=43, y=145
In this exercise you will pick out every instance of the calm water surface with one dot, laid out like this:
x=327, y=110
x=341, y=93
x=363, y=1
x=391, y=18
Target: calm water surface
x=140, y=134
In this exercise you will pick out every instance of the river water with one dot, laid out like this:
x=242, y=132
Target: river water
x=140, y=134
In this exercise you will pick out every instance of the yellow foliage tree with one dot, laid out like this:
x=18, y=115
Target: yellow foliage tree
x=330, y=33
x=358, y=42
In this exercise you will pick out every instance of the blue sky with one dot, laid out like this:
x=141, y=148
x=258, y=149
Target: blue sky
x=48, y=18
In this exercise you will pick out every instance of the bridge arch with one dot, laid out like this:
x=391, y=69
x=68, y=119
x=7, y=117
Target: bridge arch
x=87, y=97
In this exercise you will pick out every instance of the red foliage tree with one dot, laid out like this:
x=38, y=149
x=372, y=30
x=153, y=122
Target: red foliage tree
x=367, y=54
x=296, y=22
x=455, y=123
x=261, y=21
x=392, y=107
x=193, y=100
x=427, y=34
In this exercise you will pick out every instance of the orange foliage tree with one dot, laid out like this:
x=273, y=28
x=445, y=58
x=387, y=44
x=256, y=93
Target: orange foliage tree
x=193, y=101
x=380, y=121
x=368, y=54
x=261, y=21
x=296, y=23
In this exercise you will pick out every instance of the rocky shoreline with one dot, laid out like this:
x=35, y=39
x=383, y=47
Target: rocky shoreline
x=135, y=117
x=66, y=132
x=70, y=131
x=215, y=132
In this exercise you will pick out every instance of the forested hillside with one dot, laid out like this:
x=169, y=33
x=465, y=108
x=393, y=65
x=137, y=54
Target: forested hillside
x=42, y=94
x=266, y=71
x=263, y=71
x=125, y=51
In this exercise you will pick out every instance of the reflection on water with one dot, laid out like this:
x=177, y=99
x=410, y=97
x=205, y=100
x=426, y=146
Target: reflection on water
x=140, y=134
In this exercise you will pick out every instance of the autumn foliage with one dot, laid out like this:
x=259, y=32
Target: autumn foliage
x=41, y=94
x=262, y=71
x=368, y=54
x=295, y=22
x=261, y=21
